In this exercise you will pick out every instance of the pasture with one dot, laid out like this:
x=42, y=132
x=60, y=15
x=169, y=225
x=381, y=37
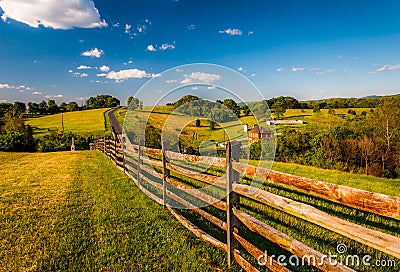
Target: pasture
x=89, y=122
x=74, y=211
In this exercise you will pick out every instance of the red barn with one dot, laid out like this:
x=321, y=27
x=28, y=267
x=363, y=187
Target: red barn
x=259, y=133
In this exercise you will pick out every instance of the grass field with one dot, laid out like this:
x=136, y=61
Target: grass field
x=89, y=122
x=74, y=211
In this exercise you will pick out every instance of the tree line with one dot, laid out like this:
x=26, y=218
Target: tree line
x=367, y=144
x=51, y=107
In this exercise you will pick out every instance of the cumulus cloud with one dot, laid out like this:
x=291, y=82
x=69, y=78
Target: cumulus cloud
x=200, y=77
x=280, y=69
x=195, y=88
x=20, y=88
x=253, y=75
x=231, y=31
x=250, y=33
x=83, y=67
x=388, y=67
x=37, y=93
x=297, y=69
x=102, y=75
x=151, y=48
x=104, y=68
x=94, y=53
x=127, y=28
x=240, y=69
x=58, y=96
x=166, y=46
x=130, y=73
x=56, y=14
x=212, y=87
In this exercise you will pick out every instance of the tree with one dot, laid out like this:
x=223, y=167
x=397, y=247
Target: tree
x=52, y=107
x=42, y=107
x=233, y=106
x=245, y=109
x=367, y=149
x=33, y=108
x=13, y=121
x=185, y=99
x=63, y=106
x=279, y=109
x=72, y=106
x=19, y=106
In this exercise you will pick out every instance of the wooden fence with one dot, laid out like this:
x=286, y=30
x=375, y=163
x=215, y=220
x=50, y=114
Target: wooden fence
x=139, y=163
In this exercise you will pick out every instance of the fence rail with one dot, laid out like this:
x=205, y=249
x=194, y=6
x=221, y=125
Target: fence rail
x=153, y=176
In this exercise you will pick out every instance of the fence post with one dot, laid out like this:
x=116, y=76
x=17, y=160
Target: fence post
x=232, y=198
x=166, y=172
x=123, y=152
x=140, y=154
x=104, y=145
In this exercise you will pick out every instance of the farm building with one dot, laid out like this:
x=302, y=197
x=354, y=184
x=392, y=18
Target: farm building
x=285, y=122
x=259, y=132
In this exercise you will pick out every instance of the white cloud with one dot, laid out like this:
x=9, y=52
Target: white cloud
x=167, y=46
x=253, y=75
x=21, y=88
x=320, y=73
x=58, y=96
x=212, y=87
x=314, y=69
x=37, y=93
x=171, y=81
x=200, y=77
x=151, y=48
x=104, y=68
x=296, y=69
x=240, y=69
x=388, y=67
x=83, y=75
x=3, y=101
x=127, y=28
x=102, y=75
x=94, y=53
x=130, y=73
x=70, y=71
x=250, y=33
x=48, y=96
x=330, y=71
x=195, y=88
x=231, y=31
x=83, y=67
x=280, y=69
x=191, y=27
x=179, y=70
x=57, y=14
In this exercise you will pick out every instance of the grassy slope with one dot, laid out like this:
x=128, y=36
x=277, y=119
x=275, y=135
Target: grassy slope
x=364, y=182
x=81, y=122
x=76, y=212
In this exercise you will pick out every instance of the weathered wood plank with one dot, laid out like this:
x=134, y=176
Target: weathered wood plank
x=271, y=263
x=209, y=179
x=152, y=162
x=288, y=243
x=244, y=263
x=216, y=221
x=198, y=194
x=356, y=198
x=378, y=240
x=197, y=231
x=216, y=161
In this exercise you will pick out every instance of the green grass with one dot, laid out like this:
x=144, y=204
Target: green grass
x=89, y=122
x=74, y=211
x=360, y=181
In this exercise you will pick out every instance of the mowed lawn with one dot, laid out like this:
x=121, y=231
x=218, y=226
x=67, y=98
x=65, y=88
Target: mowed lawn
x=88, y=122
x=74, y=211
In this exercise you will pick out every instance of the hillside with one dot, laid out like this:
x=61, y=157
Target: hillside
x=89, y=122
x=75, y=211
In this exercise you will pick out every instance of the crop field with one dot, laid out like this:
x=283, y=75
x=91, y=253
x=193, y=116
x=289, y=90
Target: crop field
x=74, y=211
x=89, y=122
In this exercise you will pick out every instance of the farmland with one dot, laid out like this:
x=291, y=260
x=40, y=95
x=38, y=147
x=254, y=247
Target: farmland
x=75, y=211
x=88, y=122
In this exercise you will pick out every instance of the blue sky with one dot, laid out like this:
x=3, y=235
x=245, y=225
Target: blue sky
x=70, y=50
